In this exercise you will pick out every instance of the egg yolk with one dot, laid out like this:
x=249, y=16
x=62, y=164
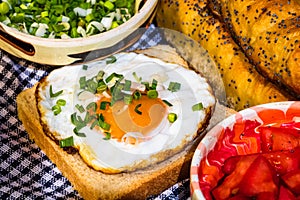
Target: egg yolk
x=123, y=118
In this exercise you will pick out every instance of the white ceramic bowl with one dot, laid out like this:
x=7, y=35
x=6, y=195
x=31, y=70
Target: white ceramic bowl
x=68, y=51
x=265, y=114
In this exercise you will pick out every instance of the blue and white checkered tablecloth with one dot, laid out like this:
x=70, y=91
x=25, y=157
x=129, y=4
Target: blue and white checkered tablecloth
x=25, y=171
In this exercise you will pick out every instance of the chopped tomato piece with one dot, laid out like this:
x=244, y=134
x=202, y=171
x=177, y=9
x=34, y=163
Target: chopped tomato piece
x=260, y=178
x=285, y=194
x=277, y=138
x=281, y=161
x=230, y=185
x=292, y=180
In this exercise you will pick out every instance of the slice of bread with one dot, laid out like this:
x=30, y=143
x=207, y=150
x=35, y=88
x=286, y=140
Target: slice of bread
x=92, y=184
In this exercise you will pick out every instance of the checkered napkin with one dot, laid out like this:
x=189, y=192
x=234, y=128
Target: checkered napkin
x=25, y=171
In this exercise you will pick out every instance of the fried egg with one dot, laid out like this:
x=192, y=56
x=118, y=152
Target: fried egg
x=125, y=112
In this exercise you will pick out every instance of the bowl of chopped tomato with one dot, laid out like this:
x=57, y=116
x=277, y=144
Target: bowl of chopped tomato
x=62, y=32
x=253, y=154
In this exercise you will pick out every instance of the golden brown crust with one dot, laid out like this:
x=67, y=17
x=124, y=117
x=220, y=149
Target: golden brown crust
x=268, y=32
x=242, y=82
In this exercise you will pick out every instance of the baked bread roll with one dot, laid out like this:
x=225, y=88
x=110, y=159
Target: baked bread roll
x=269, y=33
x=244, y=86
x=92, y=183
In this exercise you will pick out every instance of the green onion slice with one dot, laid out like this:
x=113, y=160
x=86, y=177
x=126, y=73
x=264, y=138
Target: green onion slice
x=152, y=94
x=104, y=125
x=61, y=102
x=84, y=67
x=154, y=84
x=127, y=85
x=137, y=95
x=112, y=76
x=77, y=121
x=172, y=117
x=56, y=109
x=80, y=108
x=174, y=86
x=128, y=99
x=100, y=75
x=167, y=103
x=92, y=106
x=136, y=109
x=104, y=104
x=107, y=136
x=52, y=95
x=111, y=60
x=79, y=134
x=197, y=107
x=67, y=142
x=82, y=82
x=138, y=79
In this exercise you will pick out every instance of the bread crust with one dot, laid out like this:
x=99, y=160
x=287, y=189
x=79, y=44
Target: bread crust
x=92, y=184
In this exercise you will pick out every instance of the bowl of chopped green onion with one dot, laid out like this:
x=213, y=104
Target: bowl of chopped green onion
x=62, y=32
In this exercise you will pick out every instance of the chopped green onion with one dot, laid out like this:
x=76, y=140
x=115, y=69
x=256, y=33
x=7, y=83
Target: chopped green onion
x=84, y=67
x=76, y=131
x=138, y=79
x=172, y=117
x=4, y=8
x=112, y=76
x=104, y=104
x=92, y=105
x=91, y=86
x=67, y=142
x=136, y=109
x=56, y=109
x=152, y=94
x=80, y=108
x=107, y=136
x=127, y=85
x=100, y=75
x=128, y=99
x=55, y=94
x=154, y=84
x=103, y=124
x=147, y=85
x=24, y=14
x=61, y=102
x=167, y=103
x=111, y=59
x=77, y=121
x=109, y=5
x=137, y=95
x=197, y=107
x=174, y=86
x=82, y=82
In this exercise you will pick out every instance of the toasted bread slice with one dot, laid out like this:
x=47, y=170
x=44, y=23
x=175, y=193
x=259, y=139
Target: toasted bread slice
x=93, y=184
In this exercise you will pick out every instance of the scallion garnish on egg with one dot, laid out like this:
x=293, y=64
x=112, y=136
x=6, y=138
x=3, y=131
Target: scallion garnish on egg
x=167, y=103
x=107, y=136
x=56, y=94
x=174, y=86
x=136, y=109
x=111, y=60
x=80, y=108
x=152, y=94
x=57, y=107
x=172, y=117
x=197, y=107
x=67, y=142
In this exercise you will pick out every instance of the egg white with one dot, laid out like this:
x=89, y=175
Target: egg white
x=111, y=155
